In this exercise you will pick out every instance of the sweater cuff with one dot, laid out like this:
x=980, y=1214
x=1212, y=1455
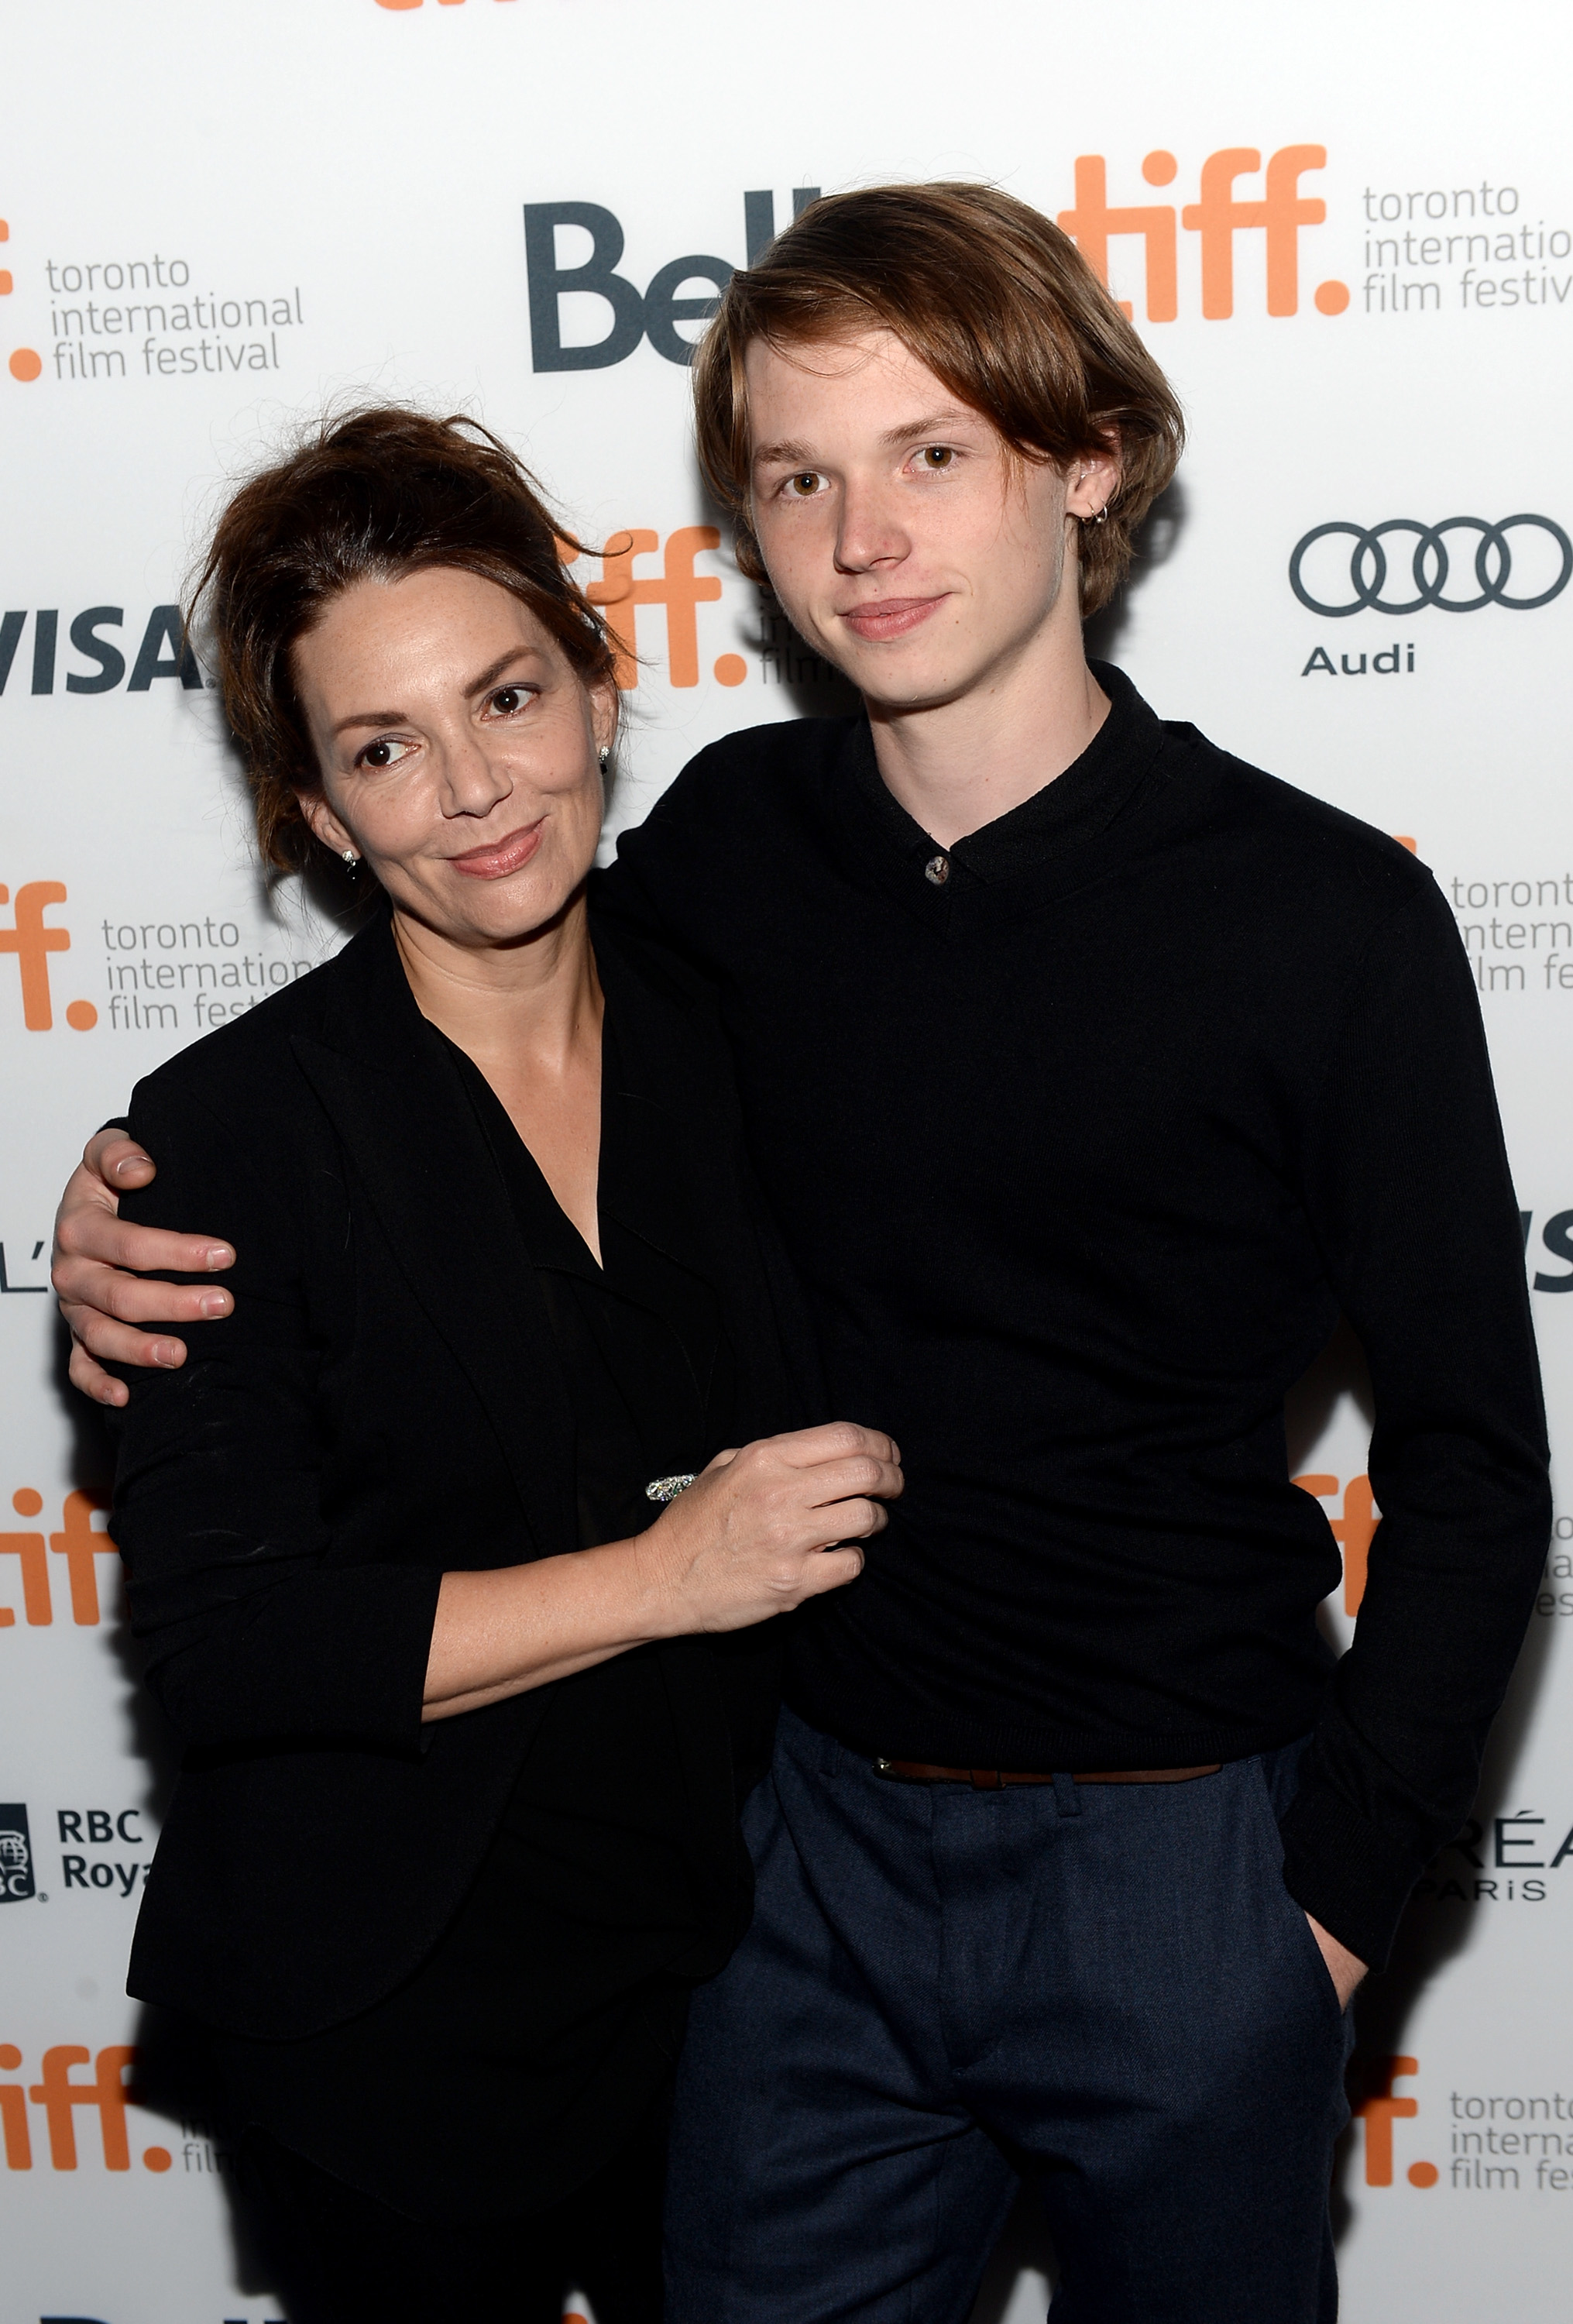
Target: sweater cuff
x=1344, y=1873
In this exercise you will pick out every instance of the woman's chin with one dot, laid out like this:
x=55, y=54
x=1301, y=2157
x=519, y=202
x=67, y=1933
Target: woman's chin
x=493, y=914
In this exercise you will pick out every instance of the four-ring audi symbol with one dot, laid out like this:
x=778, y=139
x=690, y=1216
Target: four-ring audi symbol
x=1430, y=564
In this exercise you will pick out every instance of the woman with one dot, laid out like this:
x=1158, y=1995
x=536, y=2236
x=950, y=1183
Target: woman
x=467, y=1684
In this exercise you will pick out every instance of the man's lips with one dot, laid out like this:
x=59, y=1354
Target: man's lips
x=503, y=856
x=879, y=618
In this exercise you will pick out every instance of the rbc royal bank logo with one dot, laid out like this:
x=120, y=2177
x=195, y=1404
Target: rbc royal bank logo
x=15, y=1855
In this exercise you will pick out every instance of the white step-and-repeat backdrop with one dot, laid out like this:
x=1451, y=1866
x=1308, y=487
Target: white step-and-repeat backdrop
x=1345, y=230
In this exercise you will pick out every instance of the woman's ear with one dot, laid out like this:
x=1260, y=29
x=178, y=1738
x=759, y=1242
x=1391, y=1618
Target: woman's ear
x=605, y=715
x=324, y=825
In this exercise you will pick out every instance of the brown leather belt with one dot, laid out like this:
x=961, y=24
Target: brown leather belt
x=994, y=1779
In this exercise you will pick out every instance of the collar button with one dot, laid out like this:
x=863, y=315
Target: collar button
x=937, y=870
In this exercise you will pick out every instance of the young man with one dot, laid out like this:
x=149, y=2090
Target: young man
x=1091, y=1074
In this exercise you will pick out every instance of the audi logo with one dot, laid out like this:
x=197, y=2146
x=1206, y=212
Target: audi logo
x=1430, y=564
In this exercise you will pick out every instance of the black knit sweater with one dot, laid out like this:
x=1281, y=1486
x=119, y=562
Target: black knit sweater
x=1082, y=1133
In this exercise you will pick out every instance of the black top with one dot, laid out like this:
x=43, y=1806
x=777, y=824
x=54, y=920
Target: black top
x=1082, y=1132
x=550, y=2011
x=390, y=1400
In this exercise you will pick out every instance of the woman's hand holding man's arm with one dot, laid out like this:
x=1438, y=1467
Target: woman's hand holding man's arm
x=757, y=1532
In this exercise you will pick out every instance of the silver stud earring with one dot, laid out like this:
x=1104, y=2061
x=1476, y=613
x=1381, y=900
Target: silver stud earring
x=353, y=861
x=605, y=758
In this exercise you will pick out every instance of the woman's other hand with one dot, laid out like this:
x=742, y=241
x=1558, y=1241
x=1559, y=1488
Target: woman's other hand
x=757, y=1533
x=765, y=1528
x=95, y=1251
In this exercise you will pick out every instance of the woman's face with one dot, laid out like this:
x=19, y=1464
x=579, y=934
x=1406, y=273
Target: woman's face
x=459, y=752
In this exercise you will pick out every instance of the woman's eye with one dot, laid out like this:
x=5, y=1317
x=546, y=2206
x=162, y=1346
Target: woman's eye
x=804, y=485
x=934, y=457
x=510, y=698
x=382, y=754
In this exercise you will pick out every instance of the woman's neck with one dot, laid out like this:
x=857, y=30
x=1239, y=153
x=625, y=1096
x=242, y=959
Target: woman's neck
x=528, y=1006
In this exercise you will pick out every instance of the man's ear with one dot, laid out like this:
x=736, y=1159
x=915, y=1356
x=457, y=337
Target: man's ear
x=1091, y=481
x=324, y=823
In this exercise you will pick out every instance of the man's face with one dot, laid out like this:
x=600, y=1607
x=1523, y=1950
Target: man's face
x=903, y=542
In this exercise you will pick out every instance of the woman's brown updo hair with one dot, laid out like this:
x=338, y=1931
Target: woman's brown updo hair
x=372, y=494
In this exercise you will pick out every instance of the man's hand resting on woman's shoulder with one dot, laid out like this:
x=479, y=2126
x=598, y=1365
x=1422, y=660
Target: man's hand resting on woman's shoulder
x=104, y=1303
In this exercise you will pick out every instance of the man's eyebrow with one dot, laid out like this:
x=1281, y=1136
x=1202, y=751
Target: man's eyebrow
x=790, y=453
x=786, y=452
x=488, y=677
x=933, y=425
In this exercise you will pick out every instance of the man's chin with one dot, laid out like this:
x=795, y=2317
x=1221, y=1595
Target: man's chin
x=894, y=678
x=891, y=693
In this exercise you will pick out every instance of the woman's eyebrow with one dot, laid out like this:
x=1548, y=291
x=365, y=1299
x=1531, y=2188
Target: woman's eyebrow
x=494, y=669
x=488, y=677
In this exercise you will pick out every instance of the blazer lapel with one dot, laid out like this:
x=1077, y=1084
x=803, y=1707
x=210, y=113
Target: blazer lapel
x=666, y=1133
x=672, y=1146
x=405, y=1119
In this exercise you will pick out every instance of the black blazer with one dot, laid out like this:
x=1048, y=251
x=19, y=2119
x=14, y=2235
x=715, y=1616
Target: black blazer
x=385, y=1403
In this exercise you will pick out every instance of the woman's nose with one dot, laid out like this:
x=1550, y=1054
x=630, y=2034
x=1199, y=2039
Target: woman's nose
x=471, y=782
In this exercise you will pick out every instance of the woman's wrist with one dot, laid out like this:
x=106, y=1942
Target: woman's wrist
x=501, y=1630
x=654, y=1587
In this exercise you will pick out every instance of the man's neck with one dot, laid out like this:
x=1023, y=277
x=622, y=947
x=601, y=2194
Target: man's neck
x=955, y=766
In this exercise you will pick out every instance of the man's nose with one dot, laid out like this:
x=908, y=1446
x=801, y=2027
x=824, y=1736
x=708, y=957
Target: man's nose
x=870, y=531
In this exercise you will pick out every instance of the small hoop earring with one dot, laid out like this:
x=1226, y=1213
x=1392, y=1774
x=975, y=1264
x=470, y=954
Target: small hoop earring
x=605, y=758
x=1101, y=517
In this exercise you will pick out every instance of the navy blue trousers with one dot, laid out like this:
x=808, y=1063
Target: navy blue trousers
x=1106, y=1988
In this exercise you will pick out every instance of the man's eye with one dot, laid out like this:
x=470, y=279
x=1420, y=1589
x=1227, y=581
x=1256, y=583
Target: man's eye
x=382, y=754
x=935, y=455
x=805, y=485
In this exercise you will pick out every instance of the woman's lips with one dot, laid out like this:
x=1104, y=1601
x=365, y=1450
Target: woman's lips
x=890, y=617
x=505, y=855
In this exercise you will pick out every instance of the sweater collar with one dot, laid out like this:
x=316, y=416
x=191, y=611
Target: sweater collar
x=1075, y=806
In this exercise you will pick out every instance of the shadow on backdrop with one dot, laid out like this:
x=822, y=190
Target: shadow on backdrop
x=1155, y=542
x=1439, y=1923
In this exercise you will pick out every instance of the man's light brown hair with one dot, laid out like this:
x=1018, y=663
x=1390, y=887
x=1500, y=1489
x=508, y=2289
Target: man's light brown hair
x=1000, y=306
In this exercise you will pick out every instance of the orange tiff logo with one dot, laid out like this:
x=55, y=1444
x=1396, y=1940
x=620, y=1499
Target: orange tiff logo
x=1216, y=216
x=1376, y=2107
x=79, y=1541
x=60, y=2096
x=1352, y=1530
x=620, y=592
x=33, y=941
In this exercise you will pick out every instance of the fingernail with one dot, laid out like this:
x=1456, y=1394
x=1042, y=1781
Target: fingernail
x=215, y=1303
x=126, y=1162
x=220, y=1255
x=164, y=1354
